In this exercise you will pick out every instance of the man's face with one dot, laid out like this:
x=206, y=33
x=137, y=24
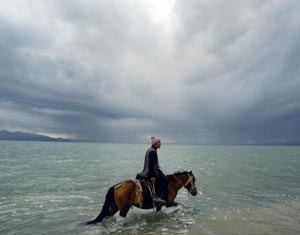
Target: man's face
x=157, y=145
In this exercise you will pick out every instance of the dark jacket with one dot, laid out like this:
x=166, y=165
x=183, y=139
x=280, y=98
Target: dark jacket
x=151, y=167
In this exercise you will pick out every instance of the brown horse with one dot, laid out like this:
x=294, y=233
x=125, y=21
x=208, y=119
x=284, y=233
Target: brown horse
x=124, y=195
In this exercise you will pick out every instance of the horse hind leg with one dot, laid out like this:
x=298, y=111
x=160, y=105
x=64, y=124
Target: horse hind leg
x=124, y=210
x=124, y=197
x=113, y=210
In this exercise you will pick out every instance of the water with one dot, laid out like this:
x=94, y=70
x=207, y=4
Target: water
x=51, y=188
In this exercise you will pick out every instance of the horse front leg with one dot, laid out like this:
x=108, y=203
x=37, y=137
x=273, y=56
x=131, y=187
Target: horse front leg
x=171, y=198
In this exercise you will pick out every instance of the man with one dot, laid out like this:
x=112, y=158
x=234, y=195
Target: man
x=152, y=173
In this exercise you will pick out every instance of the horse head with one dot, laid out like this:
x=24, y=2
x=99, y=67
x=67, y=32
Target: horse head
x=187, y=180
x=190, y=185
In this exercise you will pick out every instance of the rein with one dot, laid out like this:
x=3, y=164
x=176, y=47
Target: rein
x=187, y=182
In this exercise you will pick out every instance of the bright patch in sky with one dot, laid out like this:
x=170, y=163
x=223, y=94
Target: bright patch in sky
x=160, y=11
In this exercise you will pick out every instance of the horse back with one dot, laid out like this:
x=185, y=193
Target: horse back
x=136, y=193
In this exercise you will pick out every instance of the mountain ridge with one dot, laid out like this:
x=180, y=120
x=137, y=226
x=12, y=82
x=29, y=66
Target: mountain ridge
x=25, y=136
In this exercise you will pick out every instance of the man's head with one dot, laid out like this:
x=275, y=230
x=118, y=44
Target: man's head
x=155, y=142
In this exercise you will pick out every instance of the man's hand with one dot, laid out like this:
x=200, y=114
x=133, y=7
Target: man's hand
x=153, y=180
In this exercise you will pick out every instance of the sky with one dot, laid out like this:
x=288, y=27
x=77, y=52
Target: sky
x=187, y=71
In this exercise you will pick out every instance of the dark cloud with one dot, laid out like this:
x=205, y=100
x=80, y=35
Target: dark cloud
x=204, y=72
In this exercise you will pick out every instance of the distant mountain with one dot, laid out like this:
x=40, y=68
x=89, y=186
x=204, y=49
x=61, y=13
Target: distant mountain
x=8, y=135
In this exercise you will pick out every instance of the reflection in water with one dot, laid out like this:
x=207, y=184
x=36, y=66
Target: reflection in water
x=170, y=221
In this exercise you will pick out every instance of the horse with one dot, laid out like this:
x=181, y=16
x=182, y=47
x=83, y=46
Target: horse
x=121, y=197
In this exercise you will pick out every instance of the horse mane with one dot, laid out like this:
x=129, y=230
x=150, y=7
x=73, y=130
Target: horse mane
x=179, y=173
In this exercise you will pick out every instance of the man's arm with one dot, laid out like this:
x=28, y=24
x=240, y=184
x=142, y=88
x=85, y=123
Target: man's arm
x=152, y=160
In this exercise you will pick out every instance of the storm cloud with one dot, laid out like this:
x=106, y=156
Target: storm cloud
x=188, y=71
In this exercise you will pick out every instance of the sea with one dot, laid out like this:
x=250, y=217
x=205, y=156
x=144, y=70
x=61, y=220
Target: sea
x=54, y=187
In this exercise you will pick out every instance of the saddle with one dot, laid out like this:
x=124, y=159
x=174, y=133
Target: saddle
x=145, y=195
x=146, y=192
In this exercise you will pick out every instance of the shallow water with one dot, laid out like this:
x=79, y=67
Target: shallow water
x=51, y=188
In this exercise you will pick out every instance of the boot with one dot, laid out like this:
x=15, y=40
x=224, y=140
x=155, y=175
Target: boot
x=158, y=201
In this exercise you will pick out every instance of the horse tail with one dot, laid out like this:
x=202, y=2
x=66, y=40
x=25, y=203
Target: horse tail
x=109, y=199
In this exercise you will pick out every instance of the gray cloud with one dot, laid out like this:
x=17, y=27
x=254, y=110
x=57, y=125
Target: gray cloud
x=107, y=71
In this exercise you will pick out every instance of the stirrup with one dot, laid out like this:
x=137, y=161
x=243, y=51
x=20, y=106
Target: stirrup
x=158, y=201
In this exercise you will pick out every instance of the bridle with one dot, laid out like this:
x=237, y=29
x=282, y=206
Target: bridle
x=190, y=180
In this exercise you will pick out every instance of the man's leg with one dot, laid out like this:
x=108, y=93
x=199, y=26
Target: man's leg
x=163, y=187
x=161, y=196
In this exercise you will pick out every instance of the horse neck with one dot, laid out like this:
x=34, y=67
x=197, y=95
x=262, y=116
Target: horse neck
x=178, y=181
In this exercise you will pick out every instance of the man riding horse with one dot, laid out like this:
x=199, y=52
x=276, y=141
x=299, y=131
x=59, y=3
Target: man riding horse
x=122, y=196
x=152, y=173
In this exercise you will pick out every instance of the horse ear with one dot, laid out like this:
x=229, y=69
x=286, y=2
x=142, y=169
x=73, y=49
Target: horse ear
x=191, y=172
